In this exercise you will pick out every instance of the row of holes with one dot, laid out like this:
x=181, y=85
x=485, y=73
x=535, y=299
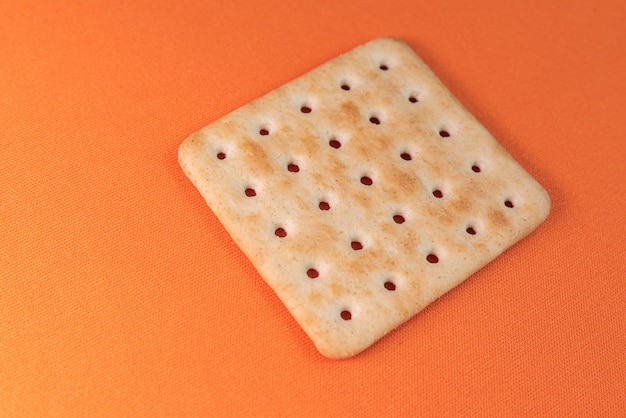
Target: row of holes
x=432, y=258
x=356, y=245
x=374, y=120
x=336, y=144
x=382, y=66
x=314, y=274
x=346, y=315
x=399, y=219
x=367, y=181
x=306, y=109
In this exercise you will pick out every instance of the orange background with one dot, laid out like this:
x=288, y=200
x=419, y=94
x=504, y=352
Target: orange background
x=122, y=295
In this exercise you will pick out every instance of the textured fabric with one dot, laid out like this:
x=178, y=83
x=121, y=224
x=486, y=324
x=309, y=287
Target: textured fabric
x=121, y=294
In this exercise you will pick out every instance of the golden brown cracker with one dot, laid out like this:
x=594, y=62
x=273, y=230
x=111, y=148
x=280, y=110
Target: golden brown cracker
x=361, y=192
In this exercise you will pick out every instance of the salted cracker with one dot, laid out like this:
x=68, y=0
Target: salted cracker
x=361, y=192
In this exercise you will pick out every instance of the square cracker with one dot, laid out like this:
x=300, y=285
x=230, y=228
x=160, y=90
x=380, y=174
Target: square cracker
x=362, y=191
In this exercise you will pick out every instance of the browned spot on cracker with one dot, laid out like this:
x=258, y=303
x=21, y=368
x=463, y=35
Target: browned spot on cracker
x=408, y=241
x=337, y=289
x=462, y=205
x=441, y=213
x=360, y=195
x=310, y=145
x=349, y=111
x=257, y=157
x=316, y=297
x=400, y=183
x=497, y=218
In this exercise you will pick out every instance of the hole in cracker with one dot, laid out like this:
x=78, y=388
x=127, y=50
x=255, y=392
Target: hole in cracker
x=390, y=286
x=324, y=205
x=346, y=315
x=366, y=181
x=399, y=219
x=305, y=109
x=413, y=99
x=293, y=168
x=374, y=120
x=221, y=155
x=509, y=204
x=438, y=193
x=334, y=143
x=280, y=232
x=476, y=168
x=356, y=245
x=443, y=133
x=312, y=273
x=250, y=192
x=345, y=86
x=406, y=156
x=383, y=67
x=264, y=132
x=432, y=258
x=470, y=230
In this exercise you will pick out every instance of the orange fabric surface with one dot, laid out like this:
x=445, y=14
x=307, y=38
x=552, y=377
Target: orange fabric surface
x=122, y=295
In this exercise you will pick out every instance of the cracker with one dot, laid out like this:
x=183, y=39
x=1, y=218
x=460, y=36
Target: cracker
x=361, y=192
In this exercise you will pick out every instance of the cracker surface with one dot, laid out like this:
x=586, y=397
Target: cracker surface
x=361, y=192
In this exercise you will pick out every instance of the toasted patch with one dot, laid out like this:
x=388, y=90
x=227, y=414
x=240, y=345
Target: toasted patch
x=361, y=192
